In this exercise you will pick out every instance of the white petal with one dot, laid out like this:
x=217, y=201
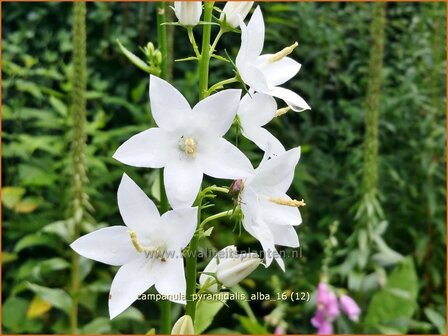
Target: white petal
x=188, y=13
x=252, y=37
x=256, y=110
x=254, y=77
x=171, y=278
x=110, y=245
x=169, y=107
x=280, y=71
x=291, y=98
x=183, y=179
x=217, y=111
x=131, y=280
x=264, y=140
x=277, y=173
x=221, y=159
x=280, y=214
x=139, y=213
x=178, y=227
x=151, y=148
x=285, y=235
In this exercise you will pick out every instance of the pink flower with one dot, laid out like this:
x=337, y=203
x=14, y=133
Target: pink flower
x=279, y=331
x=327, y=309
x=349, y=307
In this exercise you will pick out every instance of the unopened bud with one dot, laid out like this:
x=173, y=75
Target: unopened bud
x=233, y=11
x=183, y=326
x=158, y=57
x=231, y=271
x=188, y=12
x=150, y=48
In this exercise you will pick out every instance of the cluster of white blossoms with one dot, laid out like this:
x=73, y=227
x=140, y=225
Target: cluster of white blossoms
x=189, y=142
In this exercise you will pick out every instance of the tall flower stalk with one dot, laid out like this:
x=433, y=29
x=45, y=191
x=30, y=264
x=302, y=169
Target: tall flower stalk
x=162, y=38
x=78, y=114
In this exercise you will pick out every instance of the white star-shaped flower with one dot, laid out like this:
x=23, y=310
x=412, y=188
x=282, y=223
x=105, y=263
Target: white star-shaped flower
x=264, y=73
x=255, y=111
x=148, y=248
x=187, y=142
x=268, y=213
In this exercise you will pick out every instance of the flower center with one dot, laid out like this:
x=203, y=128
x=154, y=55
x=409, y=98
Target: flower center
x=287, y=202
x=188, y=145
x=282, y=53
x=156, y=251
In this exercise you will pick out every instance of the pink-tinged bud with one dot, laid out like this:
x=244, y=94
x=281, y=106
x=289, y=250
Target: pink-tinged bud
x=233, y=11
x=236, y=187
x=188, y=12
x=349, y=307
x=325, y=328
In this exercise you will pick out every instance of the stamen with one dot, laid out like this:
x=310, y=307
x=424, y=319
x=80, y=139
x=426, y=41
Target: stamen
x=282, y=53
x=135, y=242
x=188, y=145
x=151, y=251
x=287, y=202
x=282, y=111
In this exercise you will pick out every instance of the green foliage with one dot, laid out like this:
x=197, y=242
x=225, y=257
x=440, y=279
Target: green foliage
x=391, y=309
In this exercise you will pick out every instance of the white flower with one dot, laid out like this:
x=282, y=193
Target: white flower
x=263, y=73
x=188, y=12
x=148, y=248
x=255, y=111
x=268, y=213
x=188, y=142
x=183, y=326
x=229, y=267
x=235, y=11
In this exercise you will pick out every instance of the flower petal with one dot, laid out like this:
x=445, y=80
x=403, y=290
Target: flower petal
x=291, y=98
x=171, y=278
x=139, y=213
x=280, y=71
x=110, y=245
x=151, y=149
x=276, y=174
x=275, y=214
x=217, y=111
x=131, y=280
x=168, y=106
x=179, y=226
x=182, y=179
x=221, y=159
x=264, y=140
x=254, y=77
x=285, y=235
x=252, y=37
x=256, y=110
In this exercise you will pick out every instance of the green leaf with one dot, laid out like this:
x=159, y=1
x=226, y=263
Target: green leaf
x=252, y=327
x=437, y=319
x=205, y=313
x=32, y=240
x=100, y=325
x=136, y=60
x=8, y=257
x=11, y=196
x=14, y=312
x=391, y=309
x=55, y=296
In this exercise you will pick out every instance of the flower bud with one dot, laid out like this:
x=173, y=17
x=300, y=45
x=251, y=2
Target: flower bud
x=183, y=326
x=349, y=307
x=150, y=48
x=234, y=11
x=188, y=12
x=208, y=281
x=231, y=271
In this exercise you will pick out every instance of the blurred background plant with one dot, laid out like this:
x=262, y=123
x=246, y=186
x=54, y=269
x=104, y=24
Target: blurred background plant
x=394, y=267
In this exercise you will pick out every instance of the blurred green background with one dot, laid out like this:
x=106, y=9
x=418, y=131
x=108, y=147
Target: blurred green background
x=389, y=249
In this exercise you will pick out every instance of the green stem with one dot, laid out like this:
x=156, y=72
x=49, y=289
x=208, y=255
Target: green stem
x=215, y=42
x=193, y=42
x=220, y=84
x=78, y=114
x=162, y=37
x=205, y=51
x=216, y=216
x=191, y=266
x=165, y=305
